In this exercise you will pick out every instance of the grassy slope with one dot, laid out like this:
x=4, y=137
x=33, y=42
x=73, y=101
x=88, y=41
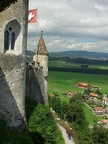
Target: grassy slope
x=90, y=117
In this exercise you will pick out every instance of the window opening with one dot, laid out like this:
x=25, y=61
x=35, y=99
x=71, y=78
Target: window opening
x=9, y=39
x=6, y=40
x=10, y=28
x=12, y=36
x=12, y=40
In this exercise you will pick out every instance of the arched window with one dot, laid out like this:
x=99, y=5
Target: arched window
x=12, y=40
x=6, y=43
x=9, y=42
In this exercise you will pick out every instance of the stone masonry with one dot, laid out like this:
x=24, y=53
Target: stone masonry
x=35, y=86
x=12, y=79
x=17, y=78
x=13, y=20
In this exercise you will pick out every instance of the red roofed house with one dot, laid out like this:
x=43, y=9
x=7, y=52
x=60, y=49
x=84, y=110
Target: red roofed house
x=51, y=95
x=105, y=100
x=99, y=110
x=106, y=111
x=93, y=95
x=96, y=87
x=83, y=85
x=70, y=94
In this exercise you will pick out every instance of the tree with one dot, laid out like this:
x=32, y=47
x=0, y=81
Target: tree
x=63, y=110
x=55, y=103
x=76, y=114
x=84, y=66
x=100, y=135
x=98, y=92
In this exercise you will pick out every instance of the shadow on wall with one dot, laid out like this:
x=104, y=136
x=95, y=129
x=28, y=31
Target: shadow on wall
x=9, y=110
x=34, y=84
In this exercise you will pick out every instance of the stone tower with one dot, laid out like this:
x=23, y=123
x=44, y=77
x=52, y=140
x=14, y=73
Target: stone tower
x=13, y=41
x=40, y=57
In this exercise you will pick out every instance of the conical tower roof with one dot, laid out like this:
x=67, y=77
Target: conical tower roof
x=41, y=46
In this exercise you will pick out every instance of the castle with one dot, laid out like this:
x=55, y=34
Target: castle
x=17, y=78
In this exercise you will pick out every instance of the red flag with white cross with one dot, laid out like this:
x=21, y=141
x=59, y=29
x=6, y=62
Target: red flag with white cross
x=32, y=16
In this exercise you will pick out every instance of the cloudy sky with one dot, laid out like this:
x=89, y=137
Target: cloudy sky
x=70, y=25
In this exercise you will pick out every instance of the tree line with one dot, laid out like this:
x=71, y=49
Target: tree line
x=80, y=60
x=79, y=70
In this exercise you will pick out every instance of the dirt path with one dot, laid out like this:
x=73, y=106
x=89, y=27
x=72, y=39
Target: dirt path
x=67, y=141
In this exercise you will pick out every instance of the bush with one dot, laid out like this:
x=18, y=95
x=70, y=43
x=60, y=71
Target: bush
x=42, y=128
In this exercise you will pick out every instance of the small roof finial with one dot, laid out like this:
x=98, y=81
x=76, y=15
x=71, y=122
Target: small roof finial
x=41, y=33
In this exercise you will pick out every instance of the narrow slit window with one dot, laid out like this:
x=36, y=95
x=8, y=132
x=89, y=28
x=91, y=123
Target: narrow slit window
x=6, y=43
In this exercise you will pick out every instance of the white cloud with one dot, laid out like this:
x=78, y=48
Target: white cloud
x=67, y=24
x=99, y=7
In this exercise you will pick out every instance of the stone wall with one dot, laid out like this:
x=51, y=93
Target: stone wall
x=12, y=88
x=14, y=73
x=12, y=68
x=19, y=12
x=35, y=83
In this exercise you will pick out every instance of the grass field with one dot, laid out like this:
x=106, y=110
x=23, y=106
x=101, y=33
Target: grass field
x=90, y=117
x=62, y=82
x=63, y=64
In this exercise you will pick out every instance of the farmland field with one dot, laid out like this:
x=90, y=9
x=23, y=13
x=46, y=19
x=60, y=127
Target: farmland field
x=62, y=82
x=62, y=64
x=74, y=65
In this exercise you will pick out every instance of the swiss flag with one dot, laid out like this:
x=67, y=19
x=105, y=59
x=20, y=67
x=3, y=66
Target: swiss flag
x=32, y=16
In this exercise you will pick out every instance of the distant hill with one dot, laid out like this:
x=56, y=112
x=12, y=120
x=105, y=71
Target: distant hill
x=29, y=53
x=85, y=54
x=29, y=56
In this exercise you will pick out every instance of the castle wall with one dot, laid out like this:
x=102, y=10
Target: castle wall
x=12, y=67
x=12, y=87
x=13, y=70
x=17, y=11
x=36, y=83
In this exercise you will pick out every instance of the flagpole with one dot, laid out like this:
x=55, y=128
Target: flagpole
x=37, y=37
x=32, y=18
